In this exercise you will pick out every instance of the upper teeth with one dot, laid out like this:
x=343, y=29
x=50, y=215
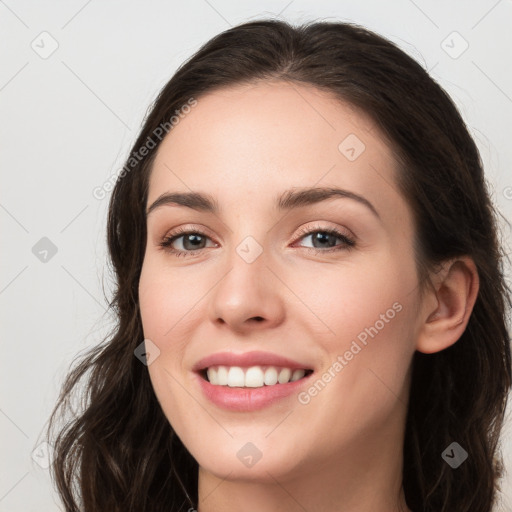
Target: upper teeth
x=253, y=377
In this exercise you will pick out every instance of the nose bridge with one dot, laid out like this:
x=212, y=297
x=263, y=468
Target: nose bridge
x=248, y=289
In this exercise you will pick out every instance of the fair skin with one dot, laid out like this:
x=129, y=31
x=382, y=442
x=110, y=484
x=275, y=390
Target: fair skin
x=245, y=146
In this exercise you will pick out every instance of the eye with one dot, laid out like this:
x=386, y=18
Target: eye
x=193, y=241
x=324, y=239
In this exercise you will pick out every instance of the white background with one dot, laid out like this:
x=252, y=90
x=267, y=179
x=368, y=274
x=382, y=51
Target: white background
x=67, y=122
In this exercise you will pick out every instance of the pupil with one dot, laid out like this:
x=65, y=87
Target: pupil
x=322, y=237
x=193, y=239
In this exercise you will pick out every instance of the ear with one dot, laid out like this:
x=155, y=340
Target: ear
x=448, y=305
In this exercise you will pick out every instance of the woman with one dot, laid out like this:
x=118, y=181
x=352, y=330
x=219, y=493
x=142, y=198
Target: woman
x=251, y=365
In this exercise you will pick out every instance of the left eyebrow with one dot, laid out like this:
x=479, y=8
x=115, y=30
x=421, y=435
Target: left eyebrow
x=290, y=199
x=193, y=200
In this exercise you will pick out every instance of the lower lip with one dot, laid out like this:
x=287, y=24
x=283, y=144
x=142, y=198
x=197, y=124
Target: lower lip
x=249, y=399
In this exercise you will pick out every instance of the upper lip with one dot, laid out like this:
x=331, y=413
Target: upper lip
x=247, y=359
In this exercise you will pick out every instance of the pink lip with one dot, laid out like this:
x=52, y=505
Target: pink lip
x=248, y=399
x=248, y=359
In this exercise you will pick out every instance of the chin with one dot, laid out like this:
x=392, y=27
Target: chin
x=246, y=461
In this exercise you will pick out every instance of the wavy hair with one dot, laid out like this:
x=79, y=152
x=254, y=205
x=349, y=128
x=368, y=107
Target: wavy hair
x=119, y=452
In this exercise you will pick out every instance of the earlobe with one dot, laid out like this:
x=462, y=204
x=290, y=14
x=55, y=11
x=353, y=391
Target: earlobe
x=448, y=306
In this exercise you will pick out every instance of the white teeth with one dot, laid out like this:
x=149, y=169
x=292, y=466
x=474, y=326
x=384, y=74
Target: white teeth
x=284, y=376
x=236, y=377
x=253, y=377
x=297, y=374
x=222, y=376
x=212, y=376
x=270, y=376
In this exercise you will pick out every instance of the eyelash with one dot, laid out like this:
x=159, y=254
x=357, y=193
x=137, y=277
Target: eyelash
x=348, y=243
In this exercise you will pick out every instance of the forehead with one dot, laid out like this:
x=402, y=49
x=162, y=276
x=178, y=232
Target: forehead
x=264, y=137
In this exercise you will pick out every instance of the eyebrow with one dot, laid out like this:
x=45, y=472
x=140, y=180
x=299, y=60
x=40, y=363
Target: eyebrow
x=290, y=199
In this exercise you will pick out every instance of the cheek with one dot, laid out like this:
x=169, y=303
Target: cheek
x=347, y=300
x=168, y=300
x=167, y=313
x=367, y=340
x=168, y=308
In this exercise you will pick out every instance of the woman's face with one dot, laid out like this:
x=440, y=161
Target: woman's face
x=302, y=261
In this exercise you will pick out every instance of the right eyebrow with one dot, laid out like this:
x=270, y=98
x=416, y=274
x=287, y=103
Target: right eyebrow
x=296, y=198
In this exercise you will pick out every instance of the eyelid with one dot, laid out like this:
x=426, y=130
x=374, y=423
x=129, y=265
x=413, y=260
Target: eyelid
x=303, y=231
x=188, y=228
x=318, y=226
x=181, y=231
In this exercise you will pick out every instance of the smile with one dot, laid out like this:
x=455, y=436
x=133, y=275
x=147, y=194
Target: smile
x=250, y=381
x=253, y=377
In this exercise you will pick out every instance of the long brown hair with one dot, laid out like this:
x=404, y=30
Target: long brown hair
x=119, y=452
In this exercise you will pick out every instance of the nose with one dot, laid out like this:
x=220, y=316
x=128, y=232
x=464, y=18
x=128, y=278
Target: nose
x=249, y=296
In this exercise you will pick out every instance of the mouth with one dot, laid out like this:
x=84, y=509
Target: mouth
x=250, y=381
x=253, y=376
